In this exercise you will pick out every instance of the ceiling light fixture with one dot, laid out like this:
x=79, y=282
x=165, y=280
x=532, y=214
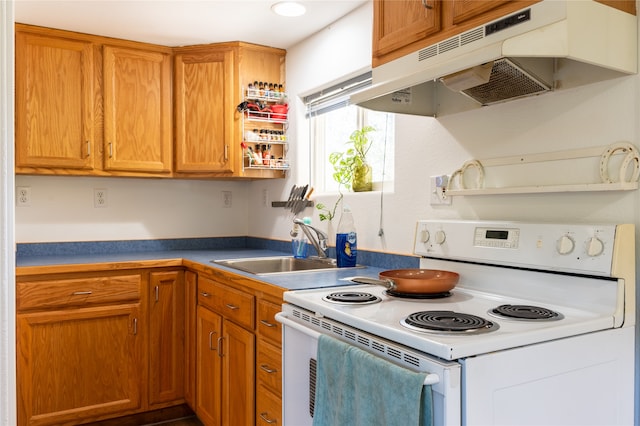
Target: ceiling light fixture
x=288, y=8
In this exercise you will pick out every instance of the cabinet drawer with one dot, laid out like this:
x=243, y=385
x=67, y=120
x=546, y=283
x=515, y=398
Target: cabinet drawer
x=268, y=327
x=77, y=291
x=269, y=367
x=233, y=304
x=268, y=408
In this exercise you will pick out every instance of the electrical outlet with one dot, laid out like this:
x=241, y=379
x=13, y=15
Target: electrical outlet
x=226, y=199
x=438, y=186
x=99, y=197
x=23, y=196
x=265, y=198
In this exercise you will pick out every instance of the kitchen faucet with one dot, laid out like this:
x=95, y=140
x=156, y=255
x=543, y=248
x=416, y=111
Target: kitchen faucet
x=319, y=243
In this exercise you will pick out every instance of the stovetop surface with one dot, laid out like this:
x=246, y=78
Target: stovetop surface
x=383, y=319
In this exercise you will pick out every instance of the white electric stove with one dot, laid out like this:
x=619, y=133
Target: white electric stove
x=543, y=314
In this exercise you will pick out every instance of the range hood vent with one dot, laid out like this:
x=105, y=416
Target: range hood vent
x=506, y=81
x=551, y=45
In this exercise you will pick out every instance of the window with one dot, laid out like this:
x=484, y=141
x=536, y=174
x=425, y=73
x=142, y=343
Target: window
x=331, y=122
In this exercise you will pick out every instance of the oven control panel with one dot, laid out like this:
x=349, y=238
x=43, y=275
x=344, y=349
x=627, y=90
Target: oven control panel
x=577, y=248
x=498, y=238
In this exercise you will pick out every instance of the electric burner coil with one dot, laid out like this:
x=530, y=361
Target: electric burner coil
x=525, y=313
x=448, y=322
x=351, y=298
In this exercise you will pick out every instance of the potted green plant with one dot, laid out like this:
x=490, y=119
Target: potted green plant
x=351, y=168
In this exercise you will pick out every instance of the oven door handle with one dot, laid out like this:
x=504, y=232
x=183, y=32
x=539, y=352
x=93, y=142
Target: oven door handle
x=431, y=378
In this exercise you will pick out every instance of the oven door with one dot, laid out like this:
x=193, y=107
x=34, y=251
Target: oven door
x=299, y=348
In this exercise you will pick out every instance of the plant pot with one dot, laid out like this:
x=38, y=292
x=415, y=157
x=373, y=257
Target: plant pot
x=362, y=178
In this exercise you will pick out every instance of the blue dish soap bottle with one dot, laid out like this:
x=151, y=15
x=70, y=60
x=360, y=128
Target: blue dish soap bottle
x=299, y=242
x=346, y=240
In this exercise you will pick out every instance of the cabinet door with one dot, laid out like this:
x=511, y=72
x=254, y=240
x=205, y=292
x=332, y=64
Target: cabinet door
x=166, y=355
x=190, y=339
x=78, y=364
x=467, y=9
x=137, y=103
x=209, y=367
x=238, y=388
x=399, y=23
x=204, y=111
x=55, y=122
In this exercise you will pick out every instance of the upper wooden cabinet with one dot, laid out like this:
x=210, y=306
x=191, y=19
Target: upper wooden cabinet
x=89, y=105
x=55, y=102
x=204, y=110
x=137, y=110
x=210, y=82
x=404, y=26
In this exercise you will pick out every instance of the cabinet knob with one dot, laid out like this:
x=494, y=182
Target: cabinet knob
x=204, y=294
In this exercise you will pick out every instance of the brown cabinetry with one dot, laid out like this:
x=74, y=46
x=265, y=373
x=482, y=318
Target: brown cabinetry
x=80, y=345
x=226, y=355
x=90, y=105
x=137, y=104
x=166, y=338
x=269, y=364
x=209, y=83
x=204, y=110
x=55, y=102
x=404, y=26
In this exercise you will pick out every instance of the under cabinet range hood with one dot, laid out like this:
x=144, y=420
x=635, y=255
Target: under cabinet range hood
x=551, y=45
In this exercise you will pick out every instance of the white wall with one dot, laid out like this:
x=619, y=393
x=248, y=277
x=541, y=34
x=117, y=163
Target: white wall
x=62, y=209
x=590, y=116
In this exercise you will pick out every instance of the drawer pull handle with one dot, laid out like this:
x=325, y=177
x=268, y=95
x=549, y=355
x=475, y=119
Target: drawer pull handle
x=268, y=369
x=88, y=149
x=135, y=326
x=232, y=307
x=264, y=417
x=157, y=291
x=204, y=294
x=220, y=354
x=82, y=293
x=211, y=348
x=426, y=5
x=267, y=323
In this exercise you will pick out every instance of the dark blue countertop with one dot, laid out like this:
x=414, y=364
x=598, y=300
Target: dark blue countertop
x=60, y=255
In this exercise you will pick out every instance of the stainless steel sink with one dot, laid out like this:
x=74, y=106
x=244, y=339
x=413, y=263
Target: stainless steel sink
x=278, y=265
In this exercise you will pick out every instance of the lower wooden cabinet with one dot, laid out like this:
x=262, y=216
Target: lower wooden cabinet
x=98, y=345
x=76, y=364
x=166, y=338
x=225, y=365
x=208, y=367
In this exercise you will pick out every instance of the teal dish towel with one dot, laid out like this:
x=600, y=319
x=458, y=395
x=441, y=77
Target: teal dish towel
x=355, y=388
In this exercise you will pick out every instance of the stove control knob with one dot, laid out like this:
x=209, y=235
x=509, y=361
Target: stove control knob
x=424, y=236
x=440, y=237
x=595, y=247
x=565, y=245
